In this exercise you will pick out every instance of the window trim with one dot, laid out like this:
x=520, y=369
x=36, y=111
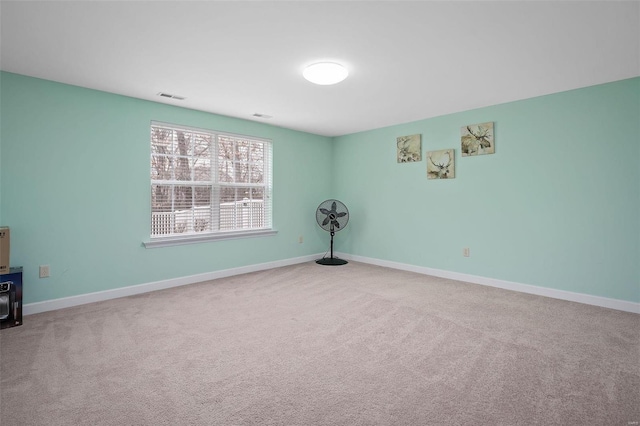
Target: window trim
x=193, y=238
x=203, y=238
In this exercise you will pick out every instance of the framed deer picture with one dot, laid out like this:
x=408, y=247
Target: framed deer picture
x=409, y=148
x=477, y=139
x=441, y=164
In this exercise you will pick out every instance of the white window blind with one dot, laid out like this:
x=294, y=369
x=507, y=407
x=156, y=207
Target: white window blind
x=208, y=183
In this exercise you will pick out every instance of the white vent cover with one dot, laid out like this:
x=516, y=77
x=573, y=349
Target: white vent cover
x=168, y=95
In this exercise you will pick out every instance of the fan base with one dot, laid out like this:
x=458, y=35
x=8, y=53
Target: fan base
x=331, y=261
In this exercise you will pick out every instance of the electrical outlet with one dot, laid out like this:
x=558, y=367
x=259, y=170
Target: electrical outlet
x=465, y=252
x=44, y=271
x=300, y=239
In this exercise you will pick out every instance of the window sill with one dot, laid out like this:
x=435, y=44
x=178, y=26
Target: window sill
x=194, y=239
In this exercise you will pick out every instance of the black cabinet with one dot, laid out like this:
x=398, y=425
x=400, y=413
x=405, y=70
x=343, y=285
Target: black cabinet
x=11, y=298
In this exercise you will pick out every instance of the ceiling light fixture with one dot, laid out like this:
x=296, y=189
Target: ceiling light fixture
x=325, y=73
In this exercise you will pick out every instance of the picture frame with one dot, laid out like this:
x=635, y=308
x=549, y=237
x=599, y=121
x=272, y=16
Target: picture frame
x=441, y=164
x=477, y=139
x=409, y=148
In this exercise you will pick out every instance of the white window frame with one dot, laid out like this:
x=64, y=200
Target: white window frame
x=217, y=186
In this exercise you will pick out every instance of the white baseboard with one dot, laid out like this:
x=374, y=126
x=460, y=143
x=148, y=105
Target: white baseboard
x=67, y=302
x=621, y=305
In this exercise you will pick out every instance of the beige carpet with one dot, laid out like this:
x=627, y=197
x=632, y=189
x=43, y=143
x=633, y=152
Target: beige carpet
x=318, y=345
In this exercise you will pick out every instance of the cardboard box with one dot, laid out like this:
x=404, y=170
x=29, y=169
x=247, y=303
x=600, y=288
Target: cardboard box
x=4, y=250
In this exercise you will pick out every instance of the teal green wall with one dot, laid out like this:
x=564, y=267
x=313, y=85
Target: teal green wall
x=557, y=205
x=74, y=188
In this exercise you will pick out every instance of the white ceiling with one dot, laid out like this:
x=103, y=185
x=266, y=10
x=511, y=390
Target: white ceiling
x=407, y=60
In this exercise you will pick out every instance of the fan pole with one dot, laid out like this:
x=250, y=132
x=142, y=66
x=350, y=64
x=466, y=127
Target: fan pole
x=331, y=261
x=332, y=234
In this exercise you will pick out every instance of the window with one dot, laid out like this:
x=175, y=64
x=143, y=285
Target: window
x=208, y=185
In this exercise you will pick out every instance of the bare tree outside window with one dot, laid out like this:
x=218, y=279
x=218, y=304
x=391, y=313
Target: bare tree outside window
x=207, y=182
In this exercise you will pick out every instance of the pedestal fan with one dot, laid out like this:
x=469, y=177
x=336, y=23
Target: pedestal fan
x=332, y=216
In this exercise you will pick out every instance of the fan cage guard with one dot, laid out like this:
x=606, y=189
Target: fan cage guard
x=332, y=216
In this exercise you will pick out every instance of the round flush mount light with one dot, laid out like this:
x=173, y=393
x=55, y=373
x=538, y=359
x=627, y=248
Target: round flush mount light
x=325, y=73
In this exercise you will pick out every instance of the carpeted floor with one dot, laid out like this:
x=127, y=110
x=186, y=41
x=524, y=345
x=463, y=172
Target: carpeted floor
x=316, y=345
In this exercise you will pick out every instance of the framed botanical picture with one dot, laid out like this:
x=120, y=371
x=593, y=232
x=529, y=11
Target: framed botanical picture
x=441, y=164
x=477, y=139
x=409, y=148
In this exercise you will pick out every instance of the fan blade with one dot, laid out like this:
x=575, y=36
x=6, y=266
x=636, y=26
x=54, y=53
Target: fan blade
x=324, y=211
x=335, y=222
x=333, y=206
x=325, y=221
x=342, y=214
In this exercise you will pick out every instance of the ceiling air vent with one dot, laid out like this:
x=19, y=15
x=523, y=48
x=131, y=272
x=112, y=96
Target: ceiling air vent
x=168, y=95
x=257, y=114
